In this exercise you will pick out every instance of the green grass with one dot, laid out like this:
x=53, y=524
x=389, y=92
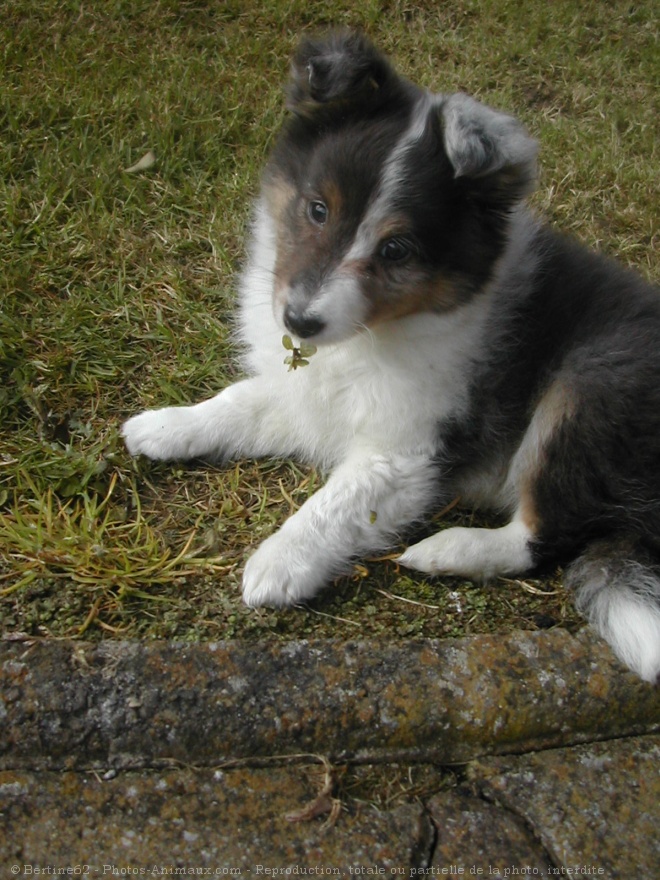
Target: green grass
x=117, y=288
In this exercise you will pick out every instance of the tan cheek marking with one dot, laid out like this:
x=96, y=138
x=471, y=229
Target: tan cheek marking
x=279, y=195
x=334, y=199
x=297, y=248
x=300, y=243
x=439, y=295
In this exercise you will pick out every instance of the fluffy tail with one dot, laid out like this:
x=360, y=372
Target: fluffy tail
x=617, y=588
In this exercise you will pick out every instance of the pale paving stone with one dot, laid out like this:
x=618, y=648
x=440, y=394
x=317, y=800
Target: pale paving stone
x=594, y=805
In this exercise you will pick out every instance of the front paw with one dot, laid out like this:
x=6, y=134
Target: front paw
x=278, y=574
x=162, y=434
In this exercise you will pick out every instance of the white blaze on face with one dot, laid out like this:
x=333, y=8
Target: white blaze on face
x=383, y=207
x=341, y=305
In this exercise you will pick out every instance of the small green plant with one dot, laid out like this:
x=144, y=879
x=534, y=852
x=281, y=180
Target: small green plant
x=300, y=355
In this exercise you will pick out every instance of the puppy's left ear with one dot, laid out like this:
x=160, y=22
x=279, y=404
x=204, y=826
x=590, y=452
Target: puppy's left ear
x=489, y=148
x=342, y=70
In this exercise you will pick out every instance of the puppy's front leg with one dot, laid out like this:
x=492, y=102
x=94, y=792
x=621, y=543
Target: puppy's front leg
x=248, y=420
x=365, y=501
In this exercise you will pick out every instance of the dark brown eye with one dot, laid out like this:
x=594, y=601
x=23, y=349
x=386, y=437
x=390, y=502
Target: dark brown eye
x=318, y=212
x=394, y=250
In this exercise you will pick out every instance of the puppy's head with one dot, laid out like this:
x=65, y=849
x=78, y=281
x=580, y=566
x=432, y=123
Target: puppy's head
x=386, y=199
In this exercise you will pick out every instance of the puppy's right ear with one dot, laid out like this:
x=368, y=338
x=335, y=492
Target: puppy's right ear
x=489, y=149
x=341, y=69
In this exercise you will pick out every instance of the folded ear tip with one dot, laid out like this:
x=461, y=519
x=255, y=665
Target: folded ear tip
x=340, y=66
x=481, y=141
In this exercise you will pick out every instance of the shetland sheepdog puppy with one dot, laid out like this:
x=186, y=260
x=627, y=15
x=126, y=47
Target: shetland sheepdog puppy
x=463, y=349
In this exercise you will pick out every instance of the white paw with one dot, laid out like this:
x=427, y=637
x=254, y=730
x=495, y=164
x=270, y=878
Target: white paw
x=162, y=433
x=279, y=574
x=472, y=553
x=442, y=553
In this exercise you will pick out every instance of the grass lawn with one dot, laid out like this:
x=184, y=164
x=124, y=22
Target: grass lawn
x=116, y=285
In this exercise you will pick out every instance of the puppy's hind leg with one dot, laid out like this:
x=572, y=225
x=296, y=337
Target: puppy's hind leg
x=474, y=553
x=485, y=553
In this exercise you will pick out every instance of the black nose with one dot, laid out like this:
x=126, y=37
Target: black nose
x=301, y=324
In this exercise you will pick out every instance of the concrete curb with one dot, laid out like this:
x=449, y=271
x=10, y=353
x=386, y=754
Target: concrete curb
x=72, y=705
